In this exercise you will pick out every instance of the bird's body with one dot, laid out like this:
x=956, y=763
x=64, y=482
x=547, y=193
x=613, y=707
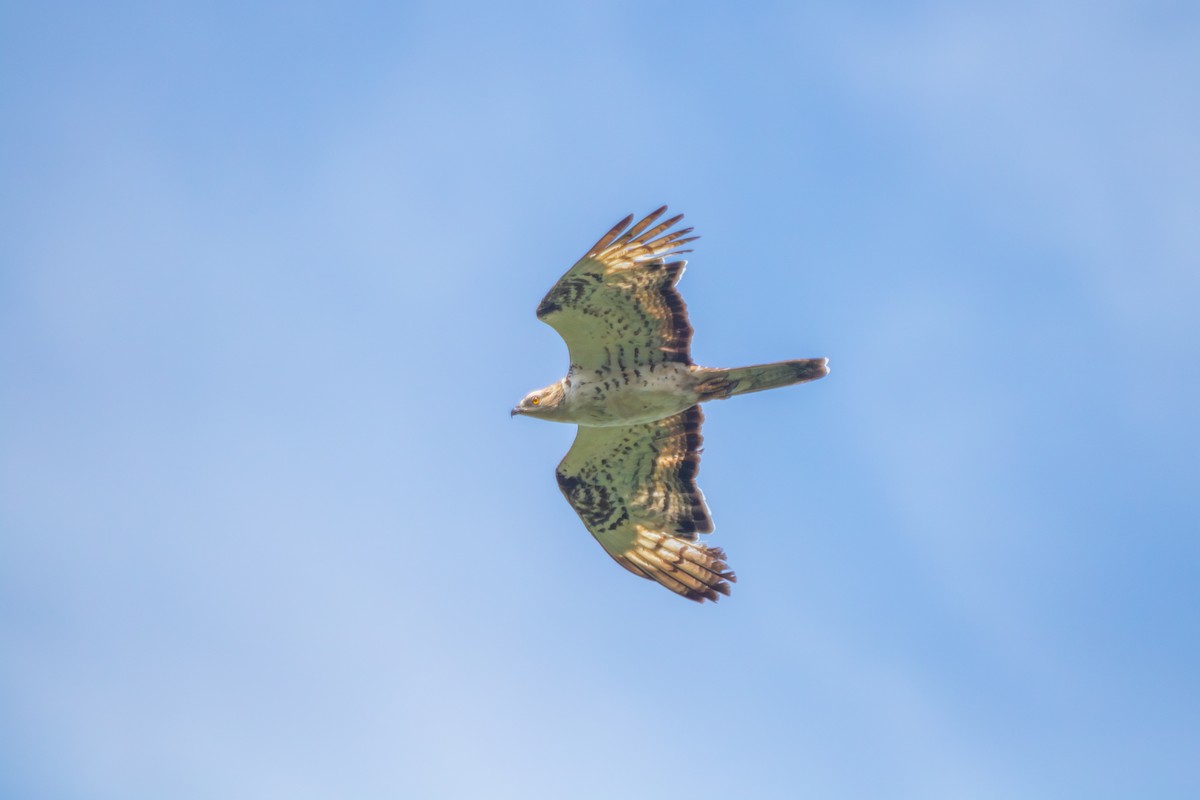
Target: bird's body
x=634, y=393
x=606, y=397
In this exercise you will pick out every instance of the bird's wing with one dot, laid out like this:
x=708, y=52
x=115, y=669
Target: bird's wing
x=635, y=489
x=618, y=304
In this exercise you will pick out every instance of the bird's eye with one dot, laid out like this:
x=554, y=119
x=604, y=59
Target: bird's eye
x=535, y=401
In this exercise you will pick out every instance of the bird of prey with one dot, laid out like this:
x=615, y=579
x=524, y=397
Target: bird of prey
x=635, y=394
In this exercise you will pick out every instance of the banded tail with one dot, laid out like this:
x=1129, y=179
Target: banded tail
x=717, y=384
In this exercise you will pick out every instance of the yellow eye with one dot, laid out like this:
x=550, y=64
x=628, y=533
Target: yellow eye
x=535, y=401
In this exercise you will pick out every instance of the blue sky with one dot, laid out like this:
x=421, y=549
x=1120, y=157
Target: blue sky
x=267, y=280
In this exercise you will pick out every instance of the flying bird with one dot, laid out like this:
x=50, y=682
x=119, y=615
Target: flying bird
x=635, y=394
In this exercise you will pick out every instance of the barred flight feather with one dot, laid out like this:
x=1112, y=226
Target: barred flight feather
x=623, y=290
x=635, y=490
x=693, y=570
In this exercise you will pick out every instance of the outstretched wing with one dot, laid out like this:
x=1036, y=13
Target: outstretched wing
x=635, y=490
x=618, y=303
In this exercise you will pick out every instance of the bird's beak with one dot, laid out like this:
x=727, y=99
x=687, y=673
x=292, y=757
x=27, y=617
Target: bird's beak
x=514, y=412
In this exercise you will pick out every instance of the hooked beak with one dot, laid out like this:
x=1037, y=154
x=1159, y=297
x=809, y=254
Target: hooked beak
x=514, y=412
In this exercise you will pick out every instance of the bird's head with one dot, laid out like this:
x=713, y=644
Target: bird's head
x=542, y=403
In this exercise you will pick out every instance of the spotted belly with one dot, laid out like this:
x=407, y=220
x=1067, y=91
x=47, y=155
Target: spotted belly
x=618, y=399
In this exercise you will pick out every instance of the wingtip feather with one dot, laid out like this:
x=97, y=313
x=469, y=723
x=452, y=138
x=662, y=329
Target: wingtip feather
x=691, y=570
x=607, y=239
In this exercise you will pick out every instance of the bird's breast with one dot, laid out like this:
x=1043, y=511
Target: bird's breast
x=629, y=397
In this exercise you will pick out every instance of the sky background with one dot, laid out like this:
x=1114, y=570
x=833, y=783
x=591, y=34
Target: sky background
x=267, y=283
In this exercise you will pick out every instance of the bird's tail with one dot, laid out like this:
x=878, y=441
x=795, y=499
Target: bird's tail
x=717, y=384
